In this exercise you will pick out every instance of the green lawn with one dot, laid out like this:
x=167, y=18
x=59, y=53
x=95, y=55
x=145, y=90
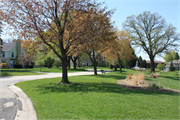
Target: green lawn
x=56, y=70
x=3, y=74
x=31, y=71
x=99, y=68
x=99, y=97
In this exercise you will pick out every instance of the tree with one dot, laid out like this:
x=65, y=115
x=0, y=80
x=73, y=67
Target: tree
x=57, y=23
x=160, y=66
x=171, y=67
x=120, y=49
x=150, y=32
x=132, y=62
x=1, y=41
x=140, y=62
x=176, y=56
x=99, y=33
x=170, y=56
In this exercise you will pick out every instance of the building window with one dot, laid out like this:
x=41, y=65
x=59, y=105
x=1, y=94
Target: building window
x=3, y=54
x=12, y=54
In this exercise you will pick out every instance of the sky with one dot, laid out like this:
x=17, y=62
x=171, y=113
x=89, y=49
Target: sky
x=168, y=9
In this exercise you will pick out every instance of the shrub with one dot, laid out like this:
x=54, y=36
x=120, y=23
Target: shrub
x=129, y=76
x=136, y=79
x=160, y=66
x=49, y=62
x=155, y=86
x=3, y=65
x=17, y=66
x=83, y=64
x=154, y=75
x=57, y=63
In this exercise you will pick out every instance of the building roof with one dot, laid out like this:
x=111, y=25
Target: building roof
x=176, y=63
x=8, y=46
x=155, y=62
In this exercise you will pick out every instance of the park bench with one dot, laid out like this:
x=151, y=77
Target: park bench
x=103, y=72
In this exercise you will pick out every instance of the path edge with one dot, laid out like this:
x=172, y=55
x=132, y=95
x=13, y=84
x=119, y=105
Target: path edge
x=27, y=112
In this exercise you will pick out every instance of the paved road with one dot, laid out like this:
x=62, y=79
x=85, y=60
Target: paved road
x=9, y=105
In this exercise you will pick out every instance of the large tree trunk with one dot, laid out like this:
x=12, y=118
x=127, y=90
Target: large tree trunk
x=95, y=67
x=152, y=65
x=64, y=71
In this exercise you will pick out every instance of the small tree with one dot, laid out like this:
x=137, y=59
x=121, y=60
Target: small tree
x=171, y=67
x=160, y=66
x=176, y=56
x=49, y=62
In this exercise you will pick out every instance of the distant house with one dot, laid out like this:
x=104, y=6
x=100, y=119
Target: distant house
x=176, y=65
x=155, y=62
x=10, y=51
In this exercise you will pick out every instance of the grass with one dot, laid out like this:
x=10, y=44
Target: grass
x=55, y=70
x=3, y=74
x=98, y=68
x=32, y=71
x=99, y=97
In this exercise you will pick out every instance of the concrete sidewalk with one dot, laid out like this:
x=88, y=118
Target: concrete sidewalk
x=14, y=103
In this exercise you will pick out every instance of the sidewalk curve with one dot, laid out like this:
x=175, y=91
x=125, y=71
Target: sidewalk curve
x=25, y=109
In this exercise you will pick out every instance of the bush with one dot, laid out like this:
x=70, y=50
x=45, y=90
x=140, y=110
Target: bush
x=17, y=66
x=49, y=62
x=155, y=86
x=136, y=79
x=154, y=75
x=3, y=65
x=160, y=66
x=57, y=63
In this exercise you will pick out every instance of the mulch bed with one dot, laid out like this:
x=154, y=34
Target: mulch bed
x=125, y=84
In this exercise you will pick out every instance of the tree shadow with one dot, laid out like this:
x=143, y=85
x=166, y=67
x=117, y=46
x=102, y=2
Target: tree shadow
x=102, y=87
x=5, y=74
x=172, y=78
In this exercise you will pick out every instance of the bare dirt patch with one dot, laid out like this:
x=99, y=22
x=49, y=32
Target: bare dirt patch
x=127, y=84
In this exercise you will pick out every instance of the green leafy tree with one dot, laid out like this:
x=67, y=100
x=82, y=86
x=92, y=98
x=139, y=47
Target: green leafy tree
x=176, y=56
x=170, y=56
x=160, y=66
x=144, y=64
x=171, y=67
x=140, y=62
x=151, y=33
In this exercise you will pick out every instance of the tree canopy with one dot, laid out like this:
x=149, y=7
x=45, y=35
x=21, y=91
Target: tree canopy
x=120, y=49
x=152, y=34
x=58, y=24
x=170, y=56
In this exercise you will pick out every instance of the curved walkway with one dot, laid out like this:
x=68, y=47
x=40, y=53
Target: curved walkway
x=14, y=103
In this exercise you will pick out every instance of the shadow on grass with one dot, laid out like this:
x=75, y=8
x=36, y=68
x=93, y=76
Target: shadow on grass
x=172, y=78
x=80, y=70
x=5, y=74
x=102, y=87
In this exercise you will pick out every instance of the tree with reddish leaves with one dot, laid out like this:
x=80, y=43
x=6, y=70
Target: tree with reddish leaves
x=56, y=23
